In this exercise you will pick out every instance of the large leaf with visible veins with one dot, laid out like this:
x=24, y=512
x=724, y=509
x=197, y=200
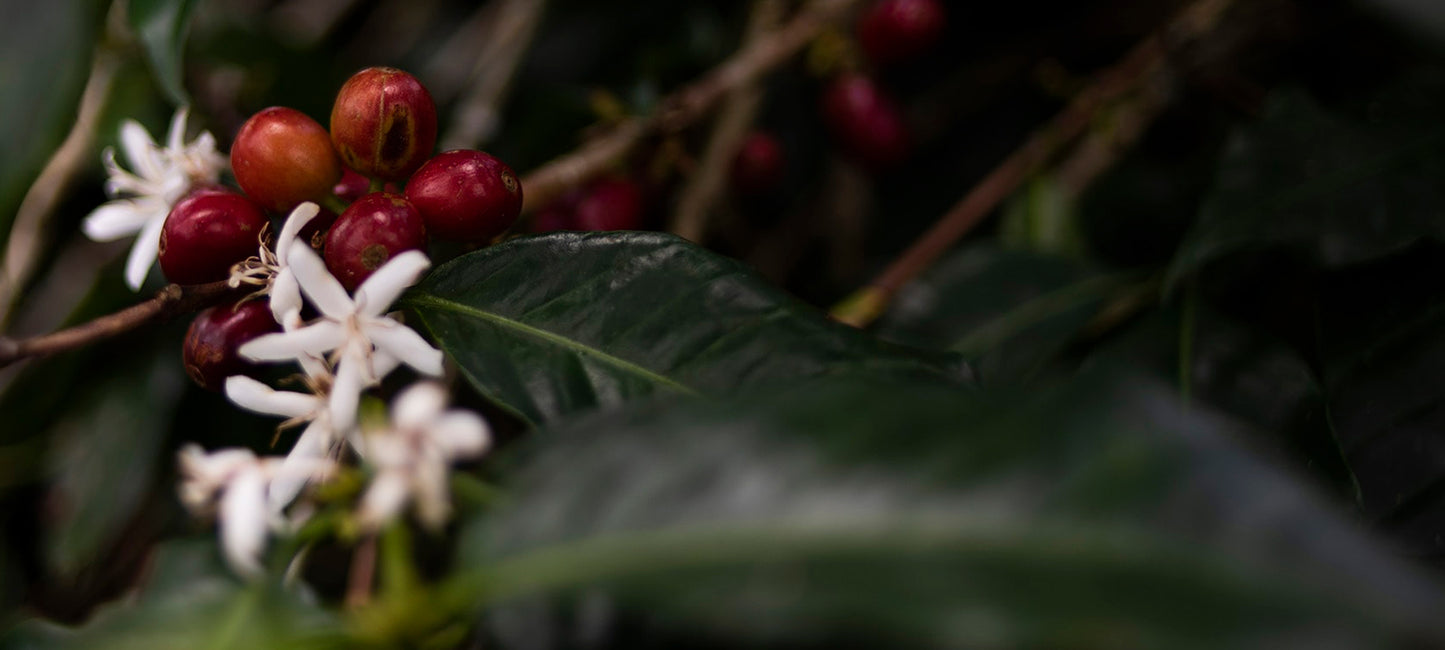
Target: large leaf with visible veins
x=560, y=323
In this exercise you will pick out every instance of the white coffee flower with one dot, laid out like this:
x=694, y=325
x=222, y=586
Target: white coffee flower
x=273, y=273
x=319, y=441
x=363, y=343
x=413, y=458
x=157, y=179
x=235, y=481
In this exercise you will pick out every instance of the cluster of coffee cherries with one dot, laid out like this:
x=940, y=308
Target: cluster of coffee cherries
x=375, y=165
x=862, y=116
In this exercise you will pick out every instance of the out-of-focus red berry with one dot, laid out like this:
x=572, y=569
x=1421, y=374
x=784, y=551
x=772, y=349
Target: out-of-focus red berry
x=352, y=186
x=466, y=196
x=209, y=350
x=206, y=233
x=891, y=31
x=610, y=204
x=758, y=166
x=281, y=157
x=865, y=121
x=370, y=232
x=384, y=123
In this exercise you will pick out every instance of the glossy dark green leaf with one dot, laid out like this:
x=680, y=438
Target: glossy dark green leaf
x=1337, y=190
x=567, y=322
x=1007, y=311
x=1221, y=364
x=1096, y=514
x=45, y=55
x=104, y=456
x=162, y=27
x=189, y=601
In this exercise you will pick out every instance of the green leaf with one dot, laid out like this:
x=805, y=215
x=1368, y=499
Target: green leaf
x=162, y=27
x=191, y=603
x=1096, y=514
x=104, y=456
x=1009, y=312
x=1337, y=190
x=561, y=323
x=44, y=59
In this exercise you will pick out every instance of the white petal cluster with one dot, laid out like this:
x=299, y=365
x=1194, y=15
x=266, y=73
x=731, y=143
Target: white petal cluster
x=158, y=177
x=413, y=457
x=232, y=484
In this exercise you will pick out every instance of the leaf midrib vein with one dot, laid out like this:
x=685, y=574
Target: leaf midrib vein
x=536, y=332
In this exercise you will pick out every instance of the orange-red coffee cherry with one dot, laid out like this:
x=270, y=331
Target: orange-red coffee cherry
x=758, y=166
x=466, y=196
x=893, y=31
x=207, y=232
x=384, y=123
x=865, y=121
x=370, y=232
x=610, y=204
x=281, y=157
x=209, y=350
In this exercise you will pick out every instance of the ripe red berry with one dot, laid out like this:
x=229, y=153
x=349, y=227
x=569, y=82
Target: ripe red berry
x=896, y=30
x=281, y=157
x=206, y=233
x=865, y=121
x=371, y=231
x=209, y=351
x=466, y=196
x=610, y=204
x=758, y=167
x=384, y=123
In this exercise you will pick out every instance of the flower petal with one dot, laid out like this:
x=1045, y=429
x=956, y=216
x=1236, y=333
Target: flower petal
x=139, y=150
x=384, y=286
x=302, y=215
x=244, y=522
x=432, y=494
x=286, y=300
x=418, y=406
x=143, y=253
x=346, y=392
x=314, y=339
x=300, y=465
x=460, y=434
x=116, y=219
x=405, y=344
x=318, y=284
x=384, y=500
x=175, y=138
x=253, y=395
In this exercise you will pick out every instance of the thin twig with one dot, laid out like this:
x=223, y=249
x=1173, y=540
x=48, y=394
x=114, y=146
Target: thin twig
x=734, y=119
x=683, y=108
x=27, y=233
x=1147, y=61
x=475, y=118
x=171, y=301
x=363, y=573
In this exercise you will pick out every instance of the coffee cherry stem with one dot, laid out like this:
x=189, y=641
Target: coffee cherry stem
x=335, y=203
x=377, y=185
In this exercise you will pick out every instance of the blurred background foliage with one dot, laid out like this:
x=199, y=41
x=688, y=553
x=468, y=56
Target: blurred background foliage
x=1199, y=407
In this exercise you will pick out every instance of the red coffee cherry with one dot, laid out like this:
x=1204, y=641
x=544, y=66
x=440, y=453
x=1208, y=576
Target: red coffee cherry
x=466, y=196
x=207, y=232
x=209, y=351
x=371, y=231
x=610, y=204
x=865, y=121
x=384, y=123
x=352, y=186
x=891, y=31
x=281, y=157
x=758, y=166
